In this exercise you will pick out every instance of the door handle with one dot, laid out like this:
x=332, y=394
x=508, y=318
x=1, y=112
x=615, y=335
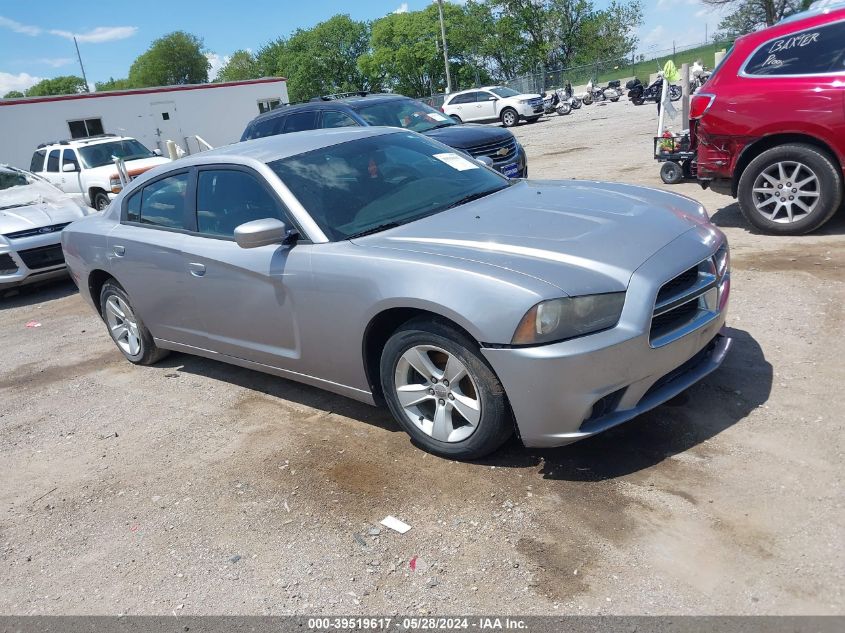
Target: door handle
x=197, y=270
x=120, y=251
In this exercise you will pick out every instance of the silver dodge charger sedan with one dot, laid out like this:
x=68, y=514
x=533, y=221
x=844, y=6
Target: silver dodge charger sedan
x=382, y=265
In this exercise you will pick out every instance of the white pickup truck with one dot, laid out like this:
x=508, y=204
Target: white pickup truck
x=85, y=167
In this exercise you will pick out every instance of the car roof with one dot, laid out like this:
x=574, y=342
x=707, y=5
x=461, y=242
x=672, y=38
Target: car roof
x=88, y=140
x=270, y=148
x=317, y=103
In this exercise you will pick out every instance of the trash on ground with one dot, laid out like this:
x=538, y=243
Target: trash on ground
x=395, y=524
x=33, y=324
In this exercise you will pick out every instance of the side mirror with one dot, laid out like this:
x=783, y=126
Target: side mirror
x=157, y=151
x=484, y=160
x=69, y=167
x=492, y=98
x=260, y=233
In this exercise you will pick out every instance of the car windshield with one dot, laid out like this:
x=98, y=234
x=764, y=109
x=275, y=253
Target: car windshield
x=504, y=92
x=405, y=113
x=375, y=183
x=9, y=179
x=105, y=153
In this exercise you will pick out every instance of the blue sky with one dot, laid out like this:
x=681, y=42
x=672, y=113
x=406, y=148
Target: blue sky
x=35, y=38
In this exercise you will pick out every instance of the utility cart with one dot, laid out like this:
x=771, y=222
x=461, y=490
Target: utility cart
x=677, y=157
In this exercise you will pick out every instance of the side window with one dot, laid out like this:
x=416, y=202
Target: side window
x=133, y=207
x=69, y=158
x=37, y=162
x=267, y=127
x=300, y=121
x=163, y=202
x=228, y=198
x=468, y=97
x=332, y=118
x=814, y=51
x=53, y=160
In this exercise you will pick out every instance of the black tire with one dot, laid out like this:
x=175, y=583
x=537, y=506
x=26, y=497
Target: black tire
x=637, y=101
x=614, y=99
x=675, y=93
x=101, y=201
x=587, y=100
x=671, y=173
x=564, y=108
x=456, y=118
x=829, y=188
x=495, y=424
x=576, y=104
x=509, y=117
x=149, y=353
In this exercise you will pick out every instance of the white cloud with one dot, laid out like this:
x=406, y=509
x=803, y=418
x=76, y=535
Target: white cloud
x=55, y=62
x=402, y=8
x=99, y=34
x=217, y=62
x=655, y=35
x=17, y=27
x=20, y=82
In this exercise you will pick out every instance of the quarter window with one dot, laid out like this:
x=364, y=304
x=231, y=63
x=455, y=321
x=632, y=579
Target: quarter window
x=37, y=162
x=228, y=198
x=162, y=203
x=337, y=119
x=468, y=97
x=53, y=160
x=300, y=121
x=814, y=51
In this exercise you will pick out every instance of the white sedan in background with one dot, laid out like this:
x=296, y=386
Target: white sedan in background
x=32, y=215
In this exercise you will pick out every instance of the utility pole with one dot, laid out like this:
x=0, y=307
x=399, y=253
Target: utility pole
x=445, y=47
x=79, y=57
x=705, y=32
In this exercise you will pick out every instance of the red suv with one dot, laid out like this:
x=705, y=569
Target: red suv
x=769, y=124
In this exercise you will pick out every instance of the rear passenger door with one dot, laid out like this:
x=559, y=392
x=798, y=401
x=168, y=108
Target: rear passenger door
x=246, y=298
x=145, y=256
x=51, y=168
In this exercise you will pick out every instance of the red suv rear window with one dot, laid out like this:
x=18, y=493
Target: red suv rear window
x=815, y=51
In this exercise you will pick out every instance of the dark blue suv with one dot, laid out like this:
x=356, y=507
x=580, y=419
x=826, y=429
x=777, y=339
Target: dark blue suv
x=395, y=111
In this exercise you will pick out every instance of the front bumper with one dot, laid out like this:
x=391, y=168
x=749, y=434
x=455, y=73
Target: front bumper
x=564, y=392
x=529, y=110
x=14, y=270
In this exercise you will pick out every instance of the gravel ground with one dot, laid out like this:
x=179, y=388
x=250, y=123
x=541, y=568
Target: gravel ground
x=193, y=487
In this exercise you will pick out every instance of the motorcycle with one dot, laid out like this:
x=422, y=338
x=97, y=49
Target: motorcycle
x=698, y=76
x=554, y=103
x=574, y=102
x=612, y=92
x=593, y=93
x=639, y=94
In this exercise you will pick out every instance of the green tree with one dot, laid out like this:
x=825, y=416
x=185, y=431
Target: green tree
x=319, y=60
x=13, y=94
x=750, y=15
x=64, y=85
x=176, y=58
x=241, y=65
x=113, y=84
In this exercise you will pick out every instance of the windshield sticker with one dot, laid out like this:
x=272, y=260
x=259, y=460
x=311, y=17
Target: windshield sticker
x=456, y=162
x=436, y=116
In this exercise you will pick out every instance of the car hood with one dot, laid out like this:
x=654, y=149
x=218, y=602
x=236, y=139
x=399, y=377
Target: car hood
x=468, y=135
x=582, y=237
x=36, y=205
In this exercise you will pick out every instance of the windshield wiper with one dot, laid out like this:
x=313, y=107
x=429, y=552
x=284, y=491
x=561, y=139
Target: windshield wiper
x=376, y=229
x=440, y=125
x=474, y=196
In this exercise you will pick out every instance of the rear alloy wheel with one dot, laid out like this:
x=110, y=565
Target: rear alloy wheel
x=130, y=335
x=442, y=392
x=101, y=201
x=509, y=117
x=790, y=190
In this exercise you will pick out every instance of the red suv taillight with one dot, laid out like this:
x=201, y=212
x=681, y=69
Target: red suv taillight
x=699, y=104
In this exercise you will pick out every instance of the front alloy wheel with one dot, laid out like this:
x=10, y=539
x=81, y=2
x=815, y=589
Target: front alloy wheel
x=437, y=394
x=442, y=392
x=509, y=118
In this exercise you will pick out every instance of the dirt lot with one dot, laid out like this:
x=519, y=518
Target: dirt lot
x=197, y=488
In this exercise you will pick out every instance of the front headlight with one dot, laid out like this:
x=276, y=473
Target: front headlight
x=115, y=185
x=561, y=319
x=524, y=101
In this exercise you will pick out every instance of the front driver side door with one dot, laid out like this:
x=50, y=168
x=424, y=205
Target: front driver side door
x=246, y=298
x=486, y=105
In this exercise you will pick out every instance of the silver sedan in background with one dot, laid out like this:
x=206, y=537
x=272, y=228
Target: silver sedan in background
x=381, y=265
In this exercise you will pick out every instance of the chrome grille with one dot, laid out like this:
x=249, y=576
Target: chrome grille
x=492, y=150
x=41, y=230
x=686, y=302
